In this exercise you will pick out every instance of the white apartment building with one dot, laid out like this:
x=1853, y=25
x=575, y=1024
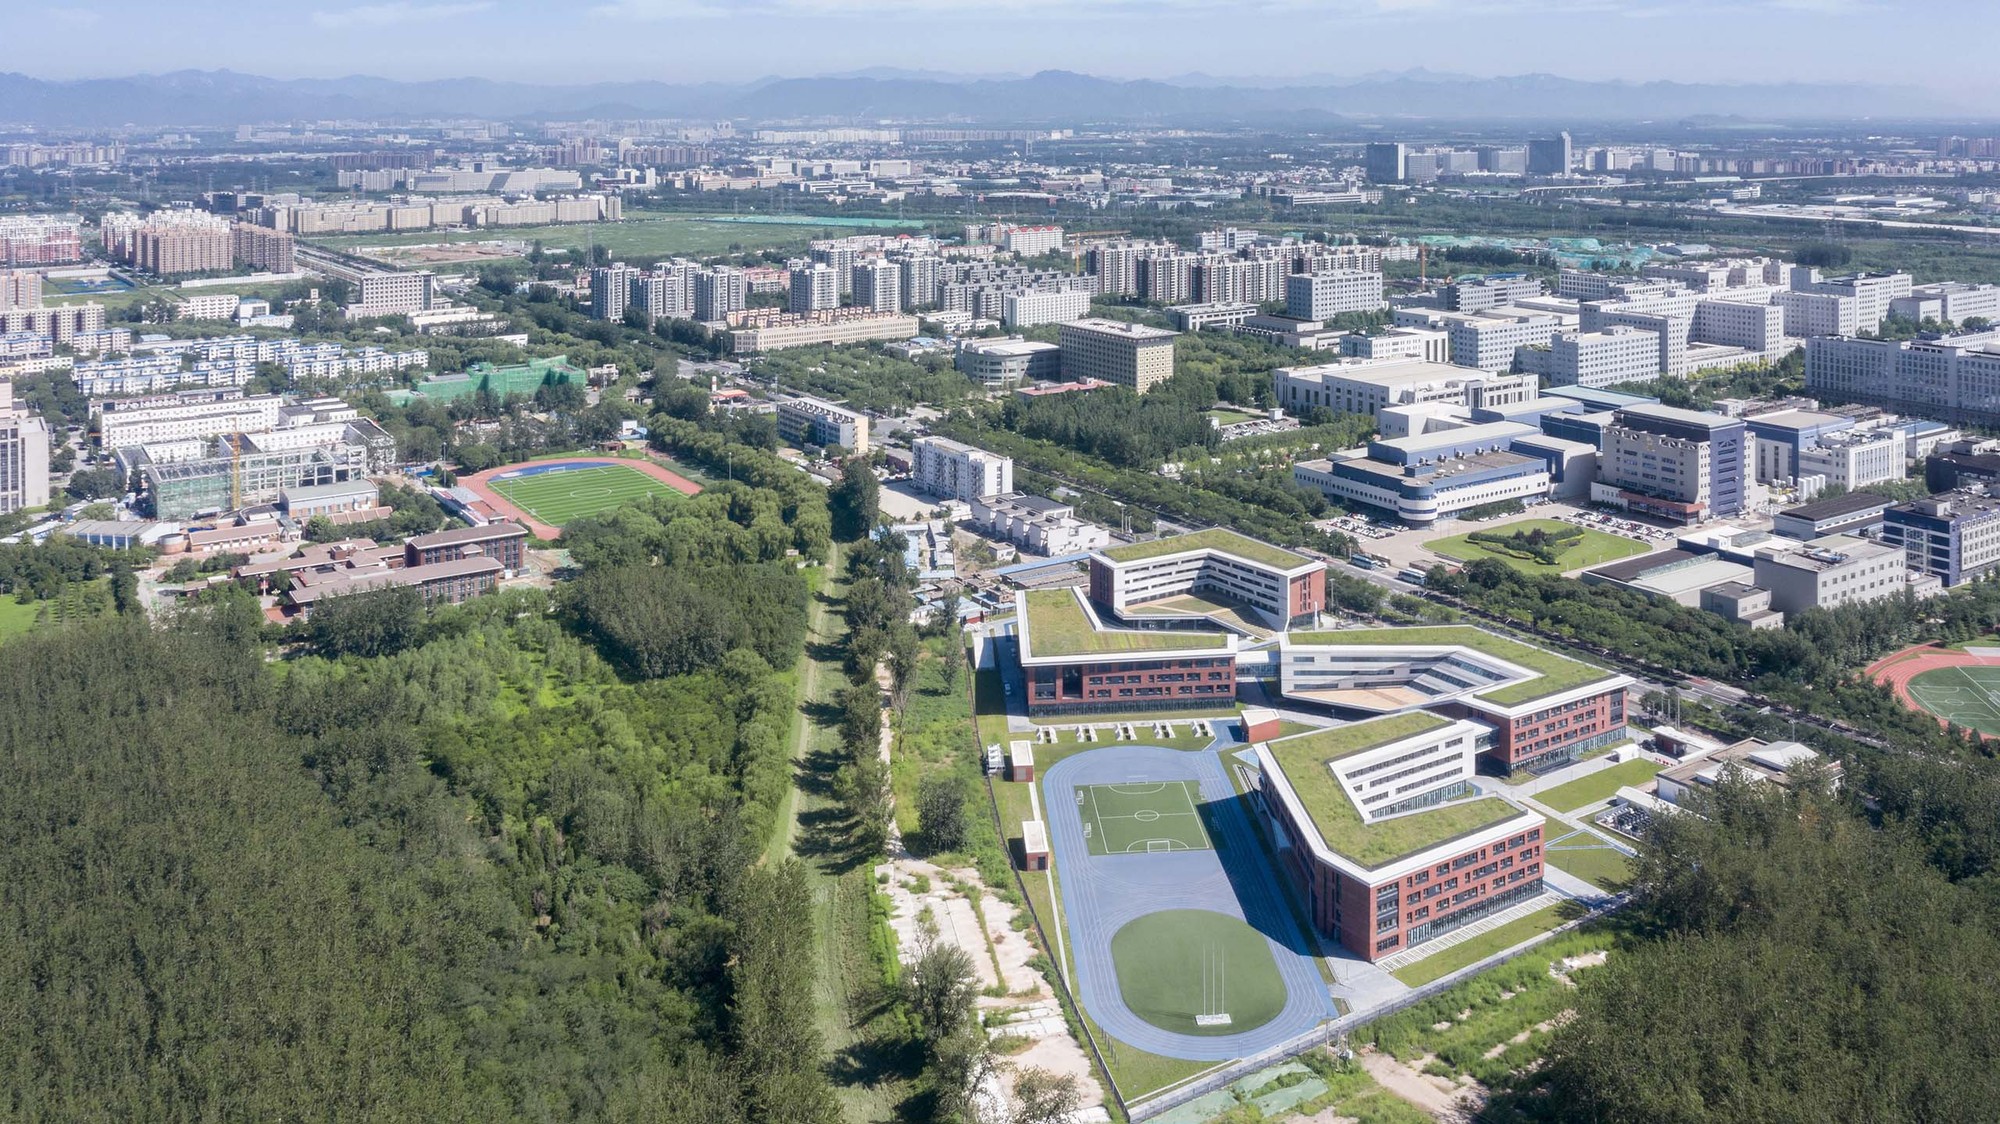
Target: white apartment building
x=920, y=274
x=814, y=421
x=1830, y=572
x=1129, y=355
x=1368, y=386
x=1872, y=292
x=1952, y=301
x=1031, y=241
x=1000, y=364
x=121, y=426
x=1488, y=340
x=1028, y=309
x=1955, y=379
x=1322, y=296
x=940, y=466
x=1820, y=314
x=206, y=306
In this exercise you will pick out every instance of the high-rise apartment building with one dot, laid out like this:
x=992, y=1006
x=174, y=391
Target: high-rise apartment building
x=718, y=292
x=20, y=288
x=1552, y=156
x=1386, y=162
x=814, y=287
x=170, y=243
x=262, y=248
x=943, y=467
x=918, y=280
x=878, y=284
x=611, y=290
x=24, y=456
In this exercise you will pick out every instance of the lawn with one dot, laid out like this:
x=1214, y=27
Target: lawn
x=557, y=498
x=643, y=237
x=1058, y=626
x=1594, y=549
x=1176, y=966
x=78, y=601
x=1585, y=791
x=1141, y=818
x=1449, y=960
x=1590, y=857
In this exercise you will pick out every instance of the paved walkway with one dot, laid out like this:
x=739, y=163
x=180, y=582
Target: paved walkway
x=1101, y=893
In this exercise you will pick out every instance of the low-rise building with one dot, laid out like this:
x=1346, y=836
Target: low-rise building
x=1830, y=572
x=1367, y=386
x=1037, y=524
x=1748, y=760
x=1424, y=478
x=1000, y=364
x=1855, y=512
x=957, y=471
x=814, y=421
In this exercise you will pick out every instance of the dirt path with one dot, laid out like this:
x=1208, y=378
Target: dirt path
x=1435, y=1095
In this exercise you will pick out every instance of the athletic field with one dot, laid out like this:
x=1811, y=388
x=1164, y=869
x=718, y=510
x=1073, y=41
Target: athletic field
x=1965, y=694
x=557, y=497
x=1140, y=818
x=1195, y=971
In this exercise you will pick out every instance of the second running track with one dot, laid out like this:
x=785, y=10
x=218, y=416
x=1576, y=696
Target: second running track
x=1100, y=893
x=481, y=484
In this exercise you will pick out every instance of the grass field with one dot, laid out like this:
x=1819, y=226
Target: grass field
x=1590, y=857
x=1449, y=960
x=1967, y=695
x=558, y=497
x=1195, y=971
x=1594, y=549
x=651, y=236
x=1141, y=818
x=1600, y=785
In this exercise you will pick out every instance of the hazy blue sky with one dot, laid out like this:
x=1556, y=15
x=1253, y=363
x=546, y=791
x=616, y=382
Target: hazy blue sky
x=563, y=41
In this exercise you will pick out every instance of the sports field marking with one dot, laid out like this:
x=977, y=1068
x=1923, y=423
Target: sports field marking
x=559, y=497
x=1964, y=694
x=1142, y=818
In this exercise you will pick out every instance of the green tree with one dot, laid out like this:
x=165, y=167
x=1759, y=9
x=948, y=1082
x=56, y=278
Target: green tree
x=853, y=503
x=941, y=811
x=376, y=622
x=778, y=1049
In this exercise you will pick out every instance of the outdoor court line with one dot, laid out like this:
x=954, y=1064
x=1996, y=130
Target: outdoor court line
x=1172, y=844
x=1980, y=691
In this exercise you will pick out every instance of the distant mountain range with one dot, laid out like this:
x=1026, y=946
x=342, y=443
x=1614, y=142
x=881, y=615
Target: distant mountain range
x=1050, y=98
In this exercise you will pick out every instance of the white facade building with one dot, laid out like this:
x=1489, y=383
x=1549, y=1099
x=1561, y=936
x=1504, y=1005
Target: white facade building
x=956, y=471
x=1322, y=296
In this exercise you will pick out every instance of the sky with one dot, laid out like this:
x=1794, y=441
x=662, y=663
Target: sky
x=571, y=41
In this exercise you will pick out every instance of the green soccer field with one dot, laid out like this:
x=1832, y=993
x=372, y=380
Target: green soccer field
x=1195, y=971
x=1143, y=817
x=1967, y=695
x=558, y=497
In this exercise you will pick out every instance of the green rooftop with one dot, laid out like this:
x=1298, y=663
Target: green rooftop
x=1058, y=626
x=521, y=378
x=1307, y=763
x=1554, y=673
x=1216, y=538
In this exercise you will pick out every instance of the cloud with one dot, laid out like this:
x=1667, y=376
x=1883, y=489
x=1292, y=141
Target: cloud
x=74, y=17
x=396, y=14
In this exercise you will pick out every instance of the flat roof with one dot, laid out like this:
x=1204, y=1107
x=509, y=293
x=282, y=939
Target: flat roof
x=1336, y=742
x=1632, y=568
x=1058, y=626
x=468, y=534
x=1215, y=538
x=1141, y=332
x=1309, y=772
x=1848, y=504
x=1554, y=673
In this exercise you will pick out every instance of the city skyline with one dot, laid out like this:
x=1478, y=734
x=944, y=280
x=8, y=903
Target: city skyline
x=1767, y=41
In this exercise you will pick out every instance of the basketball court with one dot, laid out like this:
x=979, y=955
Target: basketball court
x=1141, y=817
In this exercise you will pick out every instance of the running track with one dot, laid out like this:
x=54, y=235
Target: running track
x=1100, y=893
x=481, y=484
x=1896, y=671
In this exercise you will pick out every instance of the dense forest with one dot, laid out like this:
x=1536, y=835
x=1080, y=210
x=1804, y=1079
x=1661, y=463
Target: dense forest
x=484, y=863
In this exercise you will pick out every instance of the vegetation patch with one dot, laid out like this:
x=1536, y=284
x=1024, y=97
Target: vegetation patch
x=1539, y=545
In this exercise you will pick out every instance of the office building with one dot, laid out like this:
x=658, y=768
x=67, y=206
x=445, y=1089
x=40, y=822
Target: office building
x=1276, y=587
x=878, y=284
x=24, y=455
x=1477, y=294
x=1552, y=156
x=1323, y=296
x=942, y=467
x=1427, y=344
x=1952, y=302
x=1368, y=386
x=199, y=414
x=1426, y=477
x=1044, y=306
x=1682, y=465
x=1201, y=317
x=1853, y=513
x=1952, y=378
x=1386, y=162
x=1832, y=571
x=1133, y=356
x=1489, y=340
x=813, y=421
x=1037, y=525
x=1954, y=536
x=1855, y=459
x=1001, y=364
x=1871, y=294
x=504, y=542
x=1618, y=354
x=815, y=288
x=393, y=294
